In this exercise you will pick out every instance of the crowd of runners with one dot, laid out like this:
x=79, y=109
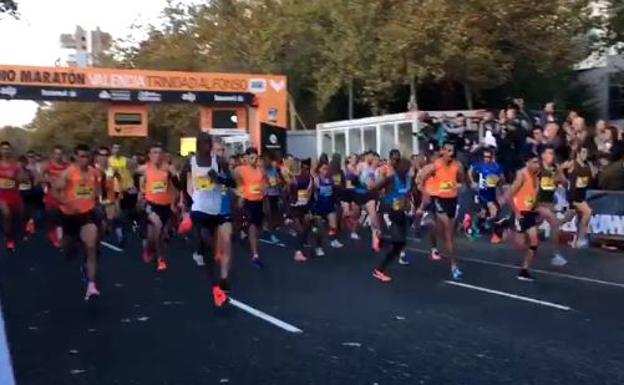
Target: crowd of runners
x=91, y=194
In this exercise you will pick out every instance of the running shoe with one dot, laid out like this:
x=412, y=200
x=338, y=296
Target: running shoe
x=558, y=260
x=257, y=262
x=30, y=227
x=435, y=254
x=381, y=276
x=319, y=252
x=147, y=256
x=403, y=259
x=524, y=275
x=243, y=235
x=355, y=236
x=54, y=239
x=581, y=243
x=199, y=259
x=219, y=296
x=495, y=240
x=336, y=244
x=299, y=257
x=91, y=291
x=456, y=273
x=162, y=264
x=274, y=239
x=10, y=246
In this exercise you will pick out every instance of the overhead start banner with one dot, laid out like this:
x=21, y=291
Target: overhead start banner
x=141, y=79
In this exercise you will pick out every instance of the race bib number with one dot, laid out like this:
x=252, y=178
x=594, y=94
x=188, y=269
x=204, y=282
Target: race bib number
x=350, y=184
x=547, y=183
x=447, y=186
x=159, y=187
x=491, y=181
x=84, y=192
x=398, y=204
x=338, y=180
x=25, y=186
x=303, y=196
x=7, y=183
x=255, y=189
x=272, y=181
x=203, y=183
x=529, y=202
x=582, y=182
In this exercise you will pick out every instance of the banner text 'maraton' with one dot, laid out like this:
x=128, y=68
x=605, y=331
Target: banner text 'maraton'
x=57, y=77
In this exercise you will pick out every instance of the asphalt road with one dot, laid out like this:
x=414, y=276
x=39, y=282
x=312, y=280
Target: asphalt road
x=152, y=328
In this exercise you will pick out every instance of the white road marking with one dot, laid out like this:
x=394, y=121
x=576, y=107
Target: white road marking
x=538, y=271
x=509, y=295
x=6, y=369
x=271, y=243
x=269, y=318
x=110, y=246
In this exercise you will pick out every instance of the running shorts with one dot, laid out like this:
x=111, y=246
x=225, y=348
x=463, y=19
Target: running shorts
x=361, y=199
x=524, y=221
x=72, y=224
x=398, y=226
x=210, y=222
x=273, y=201
x=446, y=206
x=13, y=200
x=346, y=196
x=163, y=211
x=253, y=212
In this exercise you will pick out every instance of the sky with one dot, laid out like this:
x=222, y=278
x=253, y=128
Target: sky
x=34, y=39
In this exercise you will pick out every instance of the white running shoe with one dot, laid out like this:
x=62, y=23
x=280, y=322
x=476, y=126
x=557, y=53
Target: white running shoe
x=319, y=252
x=91, y=291
x=581, y=243
x=299, y=257
x=558, y=260
x=199, y=259
x=355, y=236
x=336, y=244
x=274, y=239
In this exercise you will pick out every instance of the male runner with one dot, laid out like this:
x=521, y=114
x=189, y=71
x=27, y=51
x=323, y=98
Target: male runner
x=29, y=197
x=395, y=203
x=56, y=165
x=522, y=196
x=251, y=179
x=11, y=175
x=207, y=182
x=300, y=196
x=580, y=175
x=446, y=173
x=76, y=190
x=549, y=178
x=273, y=193
x=157, y=184
x=486, y=178
x=324, y=208
x=122, y=167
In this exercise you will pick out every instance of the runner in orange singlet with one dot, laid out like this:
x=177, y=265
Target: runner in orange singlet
x=446, y=173
x=51, y=172
x=157, y=188
x=522, y=197
x=76, y=190
x=11, y=175
x=251, y=179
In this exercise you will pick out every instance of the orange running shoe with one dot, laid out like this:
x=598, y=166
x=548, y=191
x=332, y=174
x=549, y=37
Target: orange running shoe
x=30, y=227
x=381, y=276
x=219, y=296
x=495, y=240
x=162, y=264
x=147, y=256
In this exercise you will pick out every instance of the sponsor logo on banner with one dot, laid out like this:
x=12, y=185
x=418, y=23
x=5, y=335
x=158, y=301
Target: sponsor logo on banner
x=272, y=118
x=148, y=96
x=8, y=91
x=228, y=98
x=116, y=95
x=189, y=97
x=104, y=95
x=278, y=85
x=59, y=93
x=257, y=86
